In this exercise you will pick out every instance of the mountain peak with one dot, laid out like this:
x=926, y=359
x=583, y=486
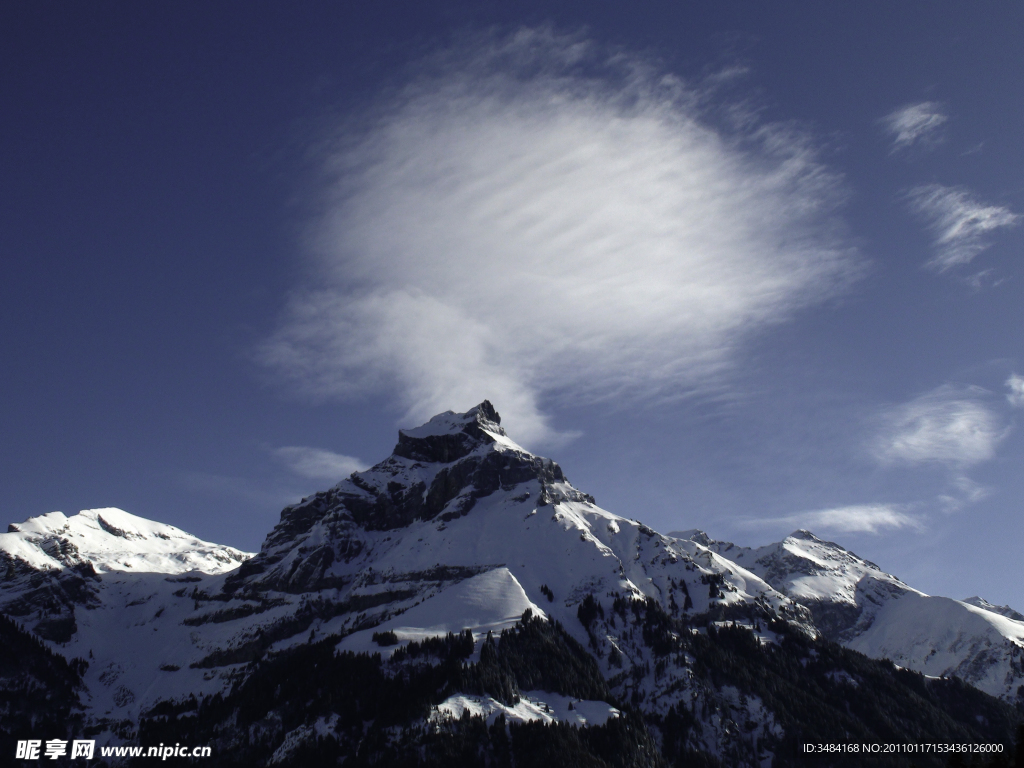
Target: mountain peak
x=694, y=534
x=437, y=472
x=806, y=535
x=450, y=436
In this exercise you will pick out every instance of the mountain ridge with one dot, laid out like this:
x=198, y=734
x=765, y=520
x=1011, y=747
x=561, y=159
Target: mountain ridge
x=857, y=604
x=459, y=530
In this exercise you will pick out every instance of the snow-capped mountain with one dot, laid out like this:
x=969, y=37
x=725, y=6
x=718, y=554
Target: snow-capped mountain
x=857, y=604
x=93, y=583
x=111, y=540
x=57, y=566
x=459, y=528
x=458, y=537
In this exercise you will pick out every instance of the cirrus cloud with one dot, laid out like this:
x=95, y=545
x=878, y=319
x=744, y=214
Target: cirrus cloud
x=857, y=518
x=950, y=425
x=537, y=219
x=1016, y=394
x=915, y=124
x=959, y=222
x=318, y=464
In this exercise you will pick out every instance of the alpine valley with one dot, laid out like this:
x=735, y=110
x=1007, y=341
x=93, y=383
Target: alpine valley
x=461, y=604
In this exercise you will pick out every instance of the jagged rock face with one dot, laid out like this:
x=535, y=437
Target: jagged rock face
x=434, y=471
x=47, y=599
x=445, y=447
x=437, y=472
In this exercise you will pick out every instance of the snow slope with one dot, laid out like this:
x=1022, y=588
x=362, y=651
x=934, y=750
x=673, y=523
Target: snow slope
x=1002, y=610
x=490, y=602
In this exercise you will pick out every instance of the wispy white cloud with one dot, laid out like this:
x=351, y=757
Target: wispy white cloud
x=950, y=425
x=915, y=124
x=1016, y=386
x=256, y=492
x=959, y=221
x=985, y=278
x=858, y=518
x=318, y=464
x=512, y=226
x=964, y=493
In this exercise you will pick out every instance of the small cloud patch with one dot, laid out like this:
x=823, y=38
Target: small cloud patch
x=915, y=125
x=318, y=464
x=858, y=518
x=1016, y=386
x=950, y=425
x=960, y=223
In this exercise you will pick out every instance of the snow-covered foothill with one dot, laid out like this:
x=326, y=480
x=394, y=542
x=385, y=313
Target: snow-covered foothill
x=109, y=586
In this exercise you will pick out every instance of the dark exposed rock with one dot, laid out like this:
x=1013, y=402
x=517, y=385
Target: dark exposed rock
x=437, y=472
x=834, y=619
x=467, y=475
x=113, y=530
x=58, y=629
x=439, y=573
x=451, y=446
x=292, y=625
x=50, y=597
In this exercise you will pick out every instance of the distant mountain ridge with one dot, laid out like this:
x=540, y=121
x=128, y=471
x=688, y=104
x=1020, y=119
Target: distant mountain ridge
x=1002, y=610
x=53, y=563
x=112, y=540
x=855, y=603
x=475, y=578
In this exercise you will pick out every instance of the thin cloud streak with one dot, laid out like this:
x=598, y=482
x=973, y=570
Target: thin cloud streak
x=1016, y=386
x=965, y=493
x=950, y=425
x=318, y=464
x=513, y=227
x=858, y=518
x=257, y=493
x=959, y=222
x=918, y=124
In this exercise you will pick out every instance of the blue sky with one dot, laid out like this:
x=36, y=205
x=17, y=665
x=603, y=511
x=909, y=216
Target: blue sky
x=740, y=266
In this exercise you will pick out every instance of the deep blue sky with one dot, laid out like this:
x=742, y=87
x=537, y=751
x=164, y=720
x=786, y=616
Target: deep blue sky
x=179, y=181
